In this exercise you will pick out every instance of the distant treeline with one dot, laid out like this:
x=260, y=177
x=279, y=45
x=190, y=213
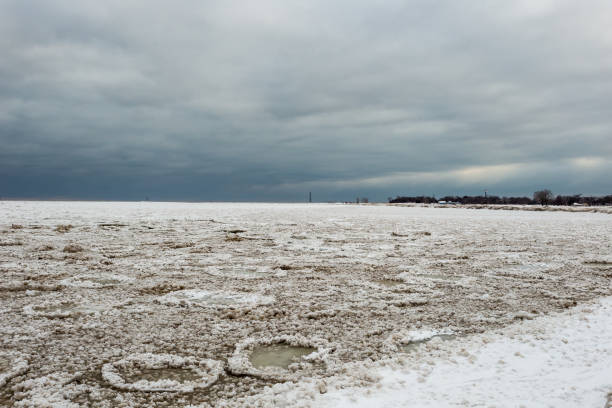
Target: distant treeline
x=419, y=199
x=558, y=200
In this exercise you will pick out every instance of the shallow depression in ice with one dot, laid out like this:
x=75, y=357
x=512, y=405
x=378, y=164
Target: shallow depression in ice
x=161, y=373
x=278, y=355
x=180, y=375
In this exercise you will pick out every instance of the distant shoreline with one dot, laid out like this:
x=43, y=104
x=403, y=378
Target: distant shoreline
x=517, y=207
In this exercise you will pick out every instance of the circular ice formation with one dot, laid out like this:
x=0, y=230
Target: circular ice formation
x=246, y=272
x=91, y=281
x=198, y=374
x=11, y=365
x=61, y=309
x=204, y=298
x=240, y=362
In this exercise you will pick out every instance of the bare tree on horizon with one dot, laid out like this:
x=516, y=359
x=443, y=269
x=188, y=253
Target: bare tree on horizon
x=543, y=197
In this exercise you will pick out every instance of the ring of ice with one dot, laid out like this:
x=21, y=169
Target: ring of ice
x=11, y=365
x=91, y=281
x=220, y=299
x=207, y=372
x=240, y=364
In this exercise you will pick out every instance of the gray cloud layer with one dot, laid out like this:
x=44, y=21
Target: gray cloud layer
x=232, y=100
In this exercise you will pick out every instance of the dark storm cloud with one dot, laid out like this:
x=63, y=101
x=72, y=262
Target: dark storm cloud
x=269, y=100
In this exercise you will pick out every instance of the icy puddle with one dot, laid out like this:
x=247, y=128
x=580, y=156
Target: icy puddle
x=180, y=375
x=409, y=347
x=278, y=355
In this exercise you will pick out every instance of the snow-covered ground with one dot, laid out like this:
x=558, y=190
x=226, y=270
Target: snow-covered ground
x=140, y=304
x=552, y=361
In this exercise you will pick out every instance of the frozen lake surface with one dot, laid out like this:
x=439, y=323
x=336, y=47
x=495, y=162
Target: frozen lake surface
x=170, y=292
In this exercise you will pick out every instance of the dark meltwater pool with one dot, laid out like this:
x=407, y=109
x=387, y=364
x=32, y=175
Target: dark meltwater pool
x=278, y=355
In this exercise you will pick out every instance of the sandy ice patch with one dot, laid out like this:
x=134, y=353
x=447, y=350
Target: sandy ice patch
x=246, y=272
x=281, y=358
x=204, y=298
x=161, y=373
x=11, y=365
x=386, y=283
x=527, y=270
x=425, y=275
x=95, y=281
x=54, y=390
x=604, y=262
x=19, y=286
x=62, y=309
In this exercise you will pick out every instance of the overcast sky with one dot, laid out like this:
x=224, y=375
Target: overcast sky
x=268, y=100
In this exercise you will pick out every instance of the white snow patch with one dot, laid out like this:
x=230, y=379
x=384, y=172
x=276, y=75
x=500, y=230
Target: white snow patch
x=404, y=337
x=203, y=298
x=561, y=360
